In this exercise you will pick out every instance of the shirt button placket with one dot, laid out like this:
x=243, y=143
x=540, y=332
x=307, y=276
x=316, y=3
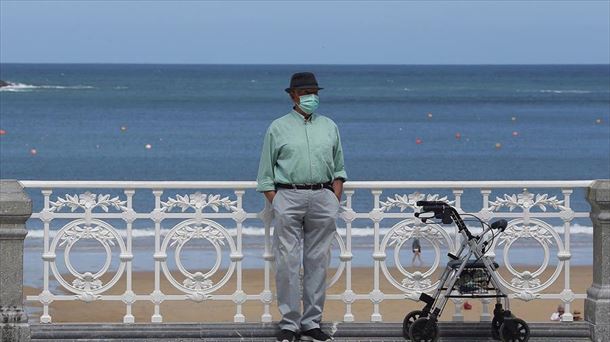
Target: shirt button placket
x=309, y=151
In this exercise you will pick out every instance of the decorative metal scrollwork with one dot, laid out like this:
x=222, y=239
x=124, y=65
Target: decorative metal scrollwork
x=87, y=201
x=526, y=201
x=527, y=284
x=399, y=234
x=199, y=201
x=87, y=286
x=410, y=201
x=413, y=283
x=198, y=285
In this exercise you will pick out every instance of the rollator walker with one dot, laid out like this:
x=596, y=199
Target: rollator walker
x=469, y=274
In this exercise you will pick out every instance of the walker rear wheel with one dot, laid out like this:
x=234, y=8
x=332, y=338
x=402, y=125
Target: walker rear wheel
x=521, y=331
x=409, y=319
x=423, y=330
x=496, y=323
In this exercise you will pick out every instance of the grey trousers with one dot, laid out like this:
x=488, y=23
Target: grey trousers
x=310, y=216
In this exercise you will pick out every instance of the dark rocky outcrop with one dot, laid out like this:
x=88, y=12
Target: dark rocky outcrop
x=4, y=84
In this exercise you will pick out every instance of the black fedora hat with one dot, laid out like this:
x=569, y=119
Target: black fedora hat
x=303, y=80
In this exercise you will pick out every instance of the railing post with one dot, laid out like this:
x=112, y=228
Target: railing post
x=15, y=209
x=597, y=303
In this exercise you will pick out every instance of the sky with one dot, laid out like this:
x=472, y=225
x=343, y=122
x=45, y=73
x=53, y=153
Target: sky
x=314, y=32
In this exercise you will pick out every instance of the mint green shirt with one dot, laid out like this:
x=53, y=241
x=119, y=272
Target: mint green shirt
x=296, y=151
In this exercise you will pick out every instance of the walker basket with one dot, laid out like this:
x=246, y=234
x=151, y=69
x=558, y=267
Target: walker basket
x=473, y=281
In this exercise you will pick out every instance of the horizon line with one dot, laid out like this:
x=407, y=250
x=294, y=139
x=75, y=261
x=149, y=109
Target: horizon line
x=314, y=64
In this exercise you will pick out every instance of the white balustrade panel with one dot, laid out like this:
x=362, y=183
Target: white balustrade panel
x=200, y=211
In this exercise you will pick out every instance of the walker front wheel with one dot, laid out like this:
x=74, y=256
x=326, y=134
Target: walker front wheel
x=409, y=319
x=520, y=332
x=423, y=330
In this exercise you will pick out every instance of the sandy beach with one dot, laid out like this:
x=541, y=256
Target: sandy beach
x=223, y=311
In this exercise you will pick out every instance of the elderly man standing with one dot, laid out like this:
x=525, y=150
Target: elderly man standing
x=301, y=173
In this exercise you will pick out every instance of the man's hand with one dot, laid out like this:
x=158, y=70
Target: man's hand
x=270, y=195
x=338, y=188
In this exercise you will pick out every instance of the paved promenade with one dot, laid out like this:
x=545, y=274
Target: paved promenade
x=450, y=331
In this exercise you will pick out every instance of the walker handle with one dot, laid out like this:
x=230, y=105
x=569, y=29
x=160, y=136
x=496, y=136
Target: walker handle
x=500, y=224
x=430, y=203
x=438, y=207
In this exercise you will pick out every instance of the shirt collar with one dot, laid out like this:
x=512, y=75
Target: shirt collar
x=300, y=117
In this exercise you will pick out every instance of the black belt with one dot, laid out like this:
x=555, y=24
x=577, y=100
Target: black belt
x=305, y=186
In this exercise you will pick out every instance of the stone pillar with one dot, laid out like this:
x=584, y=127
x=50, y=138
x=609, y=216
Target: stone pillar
x=15, y=209
x=597, y=303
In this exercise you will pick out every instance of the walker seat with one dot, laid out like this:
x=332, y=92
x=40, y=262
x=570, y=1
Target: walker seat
x=470, y=264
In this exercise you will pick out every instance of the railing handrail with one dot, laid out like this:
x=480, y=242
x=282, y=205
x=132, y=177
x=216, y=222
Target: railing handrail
x=348, y=185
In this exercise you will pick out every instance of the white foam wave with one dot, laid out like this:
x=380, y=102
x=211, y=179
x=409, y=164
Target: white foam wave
x=574, y=91
x=66, y=87
x=258, y=231
x=21, y=87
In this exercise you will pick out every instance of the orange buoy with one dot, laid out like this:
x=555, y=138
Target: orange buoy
x=418, y=141
x=515, y=133
x=2, y=132
x=33, y=152
x=458, y=135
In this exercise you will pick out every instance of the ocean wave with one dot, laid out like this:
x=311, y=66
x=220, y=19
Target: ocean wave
x=574, y=91
x=258, y=231
x=558, y=91
x=22, y=87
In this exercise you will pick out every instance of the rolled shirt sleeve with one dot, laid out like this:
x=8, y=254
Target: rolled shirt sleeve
x=339, y=172
x=265, y=178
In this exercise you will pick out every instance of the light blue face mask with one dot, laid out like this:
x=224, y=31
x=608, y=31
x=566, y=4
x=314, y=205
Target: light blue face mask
x=309, y=103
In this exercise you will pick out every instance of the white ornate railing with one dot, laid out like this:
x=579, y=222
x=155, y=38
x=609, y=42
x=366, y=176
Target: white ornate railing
x=199, y=214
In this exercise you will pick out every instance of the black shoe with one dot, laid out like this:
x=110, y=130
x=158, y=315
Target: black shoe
x=315, y=335
x=285, y=336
